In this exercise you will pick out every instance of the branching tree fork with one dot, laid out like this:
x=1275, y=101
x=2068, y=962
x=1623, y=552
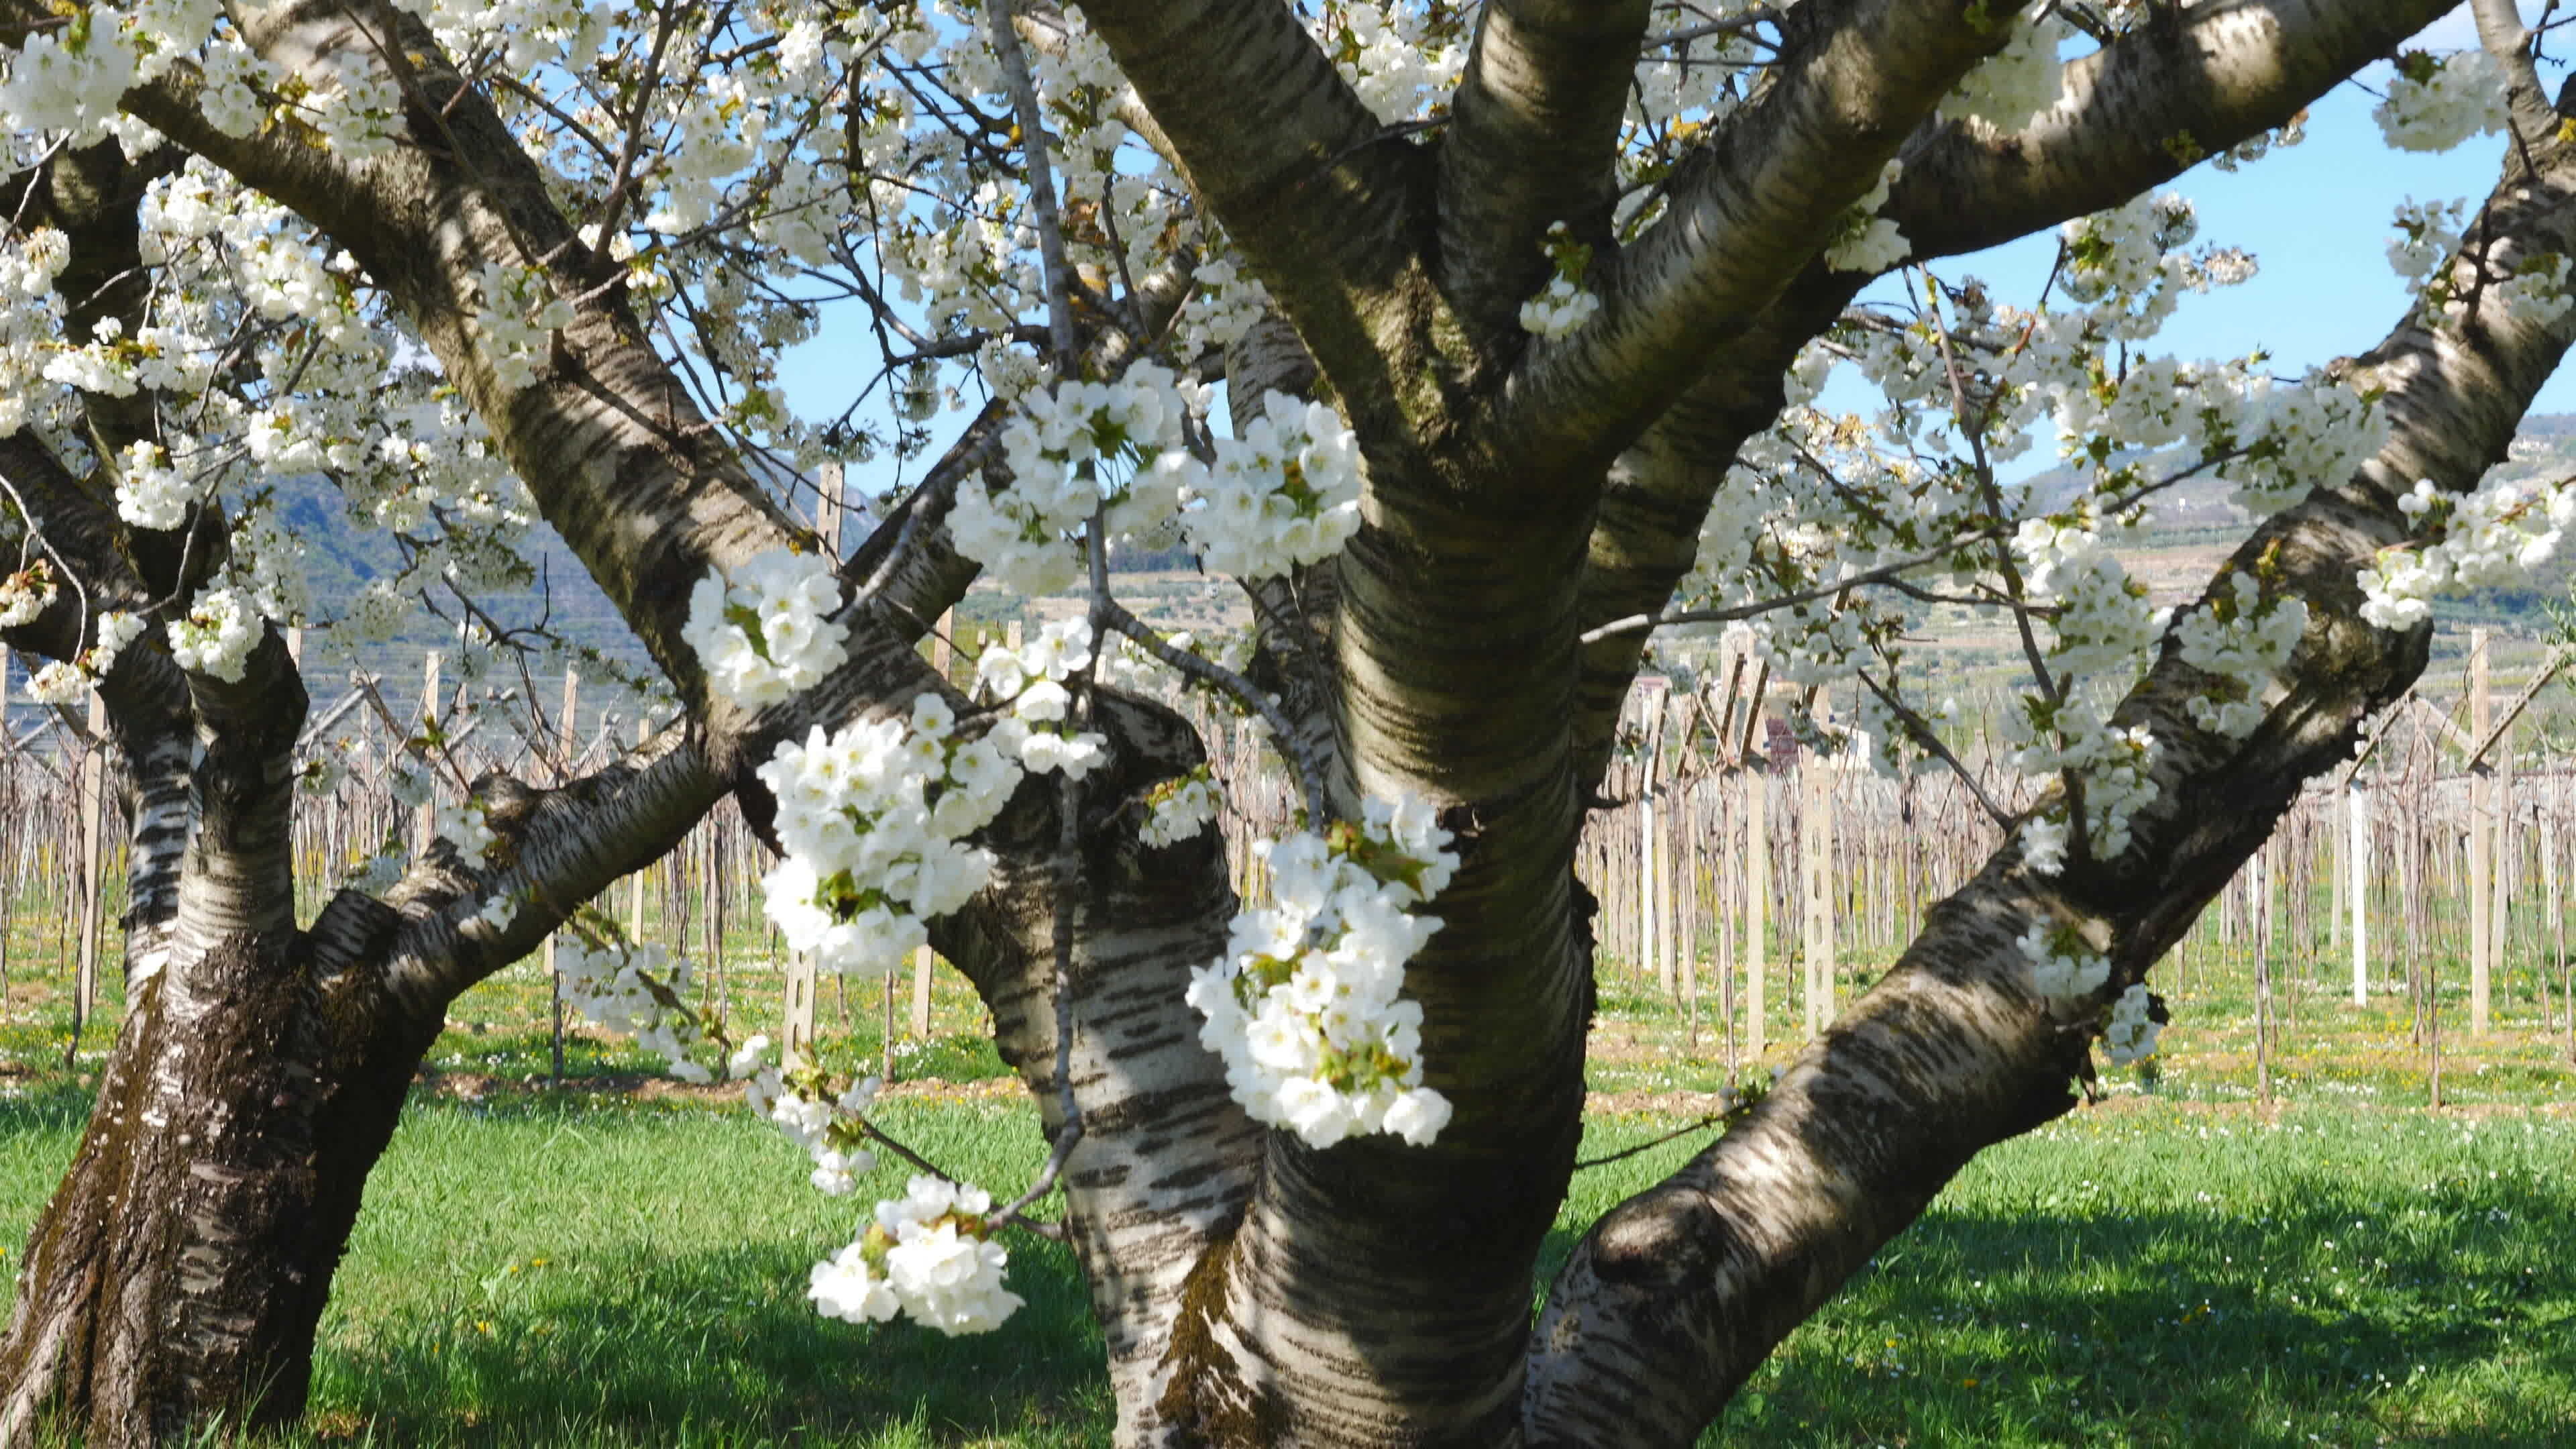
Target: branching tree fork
x=1521, y=496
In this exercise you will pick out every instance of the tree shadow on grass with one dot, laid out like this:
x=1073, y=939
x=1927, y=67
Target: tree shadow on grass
x=716, y=1348
x=2336, y=1318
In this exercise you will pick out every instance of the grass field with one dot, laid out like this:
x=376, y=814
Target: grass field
x=566, y=1269
x=606, y=1264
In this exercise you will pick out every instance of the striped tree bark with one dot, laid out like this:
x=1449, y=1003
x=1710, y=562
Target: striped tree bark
x=1254, y=1291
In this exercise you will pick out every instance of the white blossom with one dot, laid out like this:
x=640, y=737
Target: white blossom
x=218, y=635
x=767, y=631
x=1866, y=241
x=2436, y=102
x=2008, y=89
x=1305, y=1008
x=2131, y=1033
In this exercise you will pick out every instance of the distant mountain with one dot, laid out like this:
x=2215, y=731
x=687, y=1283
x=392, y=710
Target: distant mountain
x=340, y=558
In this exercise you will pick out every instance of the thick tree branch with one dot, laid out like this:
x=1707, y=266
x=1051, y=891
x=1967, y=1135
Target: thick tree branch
x=2219, y=74
x=1326, y=205
x=1746, y=213
x=1530, y=139
x=1679, y=1293
x=146, y=696
x=2189, y=83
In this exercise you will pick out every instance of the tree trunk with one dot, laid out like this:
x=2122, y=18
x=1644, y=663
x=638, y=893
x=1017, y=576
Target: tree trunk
x=179, y=1272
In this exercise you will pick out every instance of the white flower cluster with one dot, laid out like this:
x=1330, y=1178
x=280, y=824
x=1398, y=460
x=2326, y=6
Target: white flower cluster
x=2297, y=436
x=116, y=629
x=2017, y=83
x=1866, y=241
x=1224, y=303
x=65, y=681
x=634, y=989
x=59, y=682
x=2427, y=233
x=2104, y=618
x=1180, y=810
x=2131, y=1033
x=2043, y=844
x=2494, y=536
x=26, y=594
x=926, y=1255
x=804, y=1110
x=358, y=110
x=1562, y=305
x=1040, y=732
x=2113, y=765
x=464, y=826
x=2128, y=262
x=2436, y=102
x=70, y=77
x=518, y=314
x=2244, y=641
x=1074, y=448
x=873, y=820
x=218, y=635
x=1559, y=308
x=1391, y=54
x=1305, y=1006
x=1285, y=491
x=149, y=492
x=2532, y=294
x=768, y=631
x=2061, y=965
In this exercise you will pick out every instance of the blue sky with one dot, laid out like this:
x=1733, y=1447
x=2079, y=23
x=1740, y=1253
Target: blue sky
x=2315, y=216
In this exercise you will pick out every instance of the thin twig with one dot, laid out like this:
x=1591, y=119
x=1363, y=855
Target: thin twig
x=1310, y=780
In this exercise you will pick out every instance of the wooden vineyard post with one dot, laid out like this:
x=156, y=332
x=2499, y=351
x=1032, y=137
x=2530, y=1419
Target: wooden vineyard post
x=1757, y=908
x=2357, y=859
x=1645, y=817
x=93, y=849
x=2261, y=934
x=831, y=500
x=922, y=959
x=942, y=658
x=2481, y=844
x=1653, y=913
x=635, y=882
x=424, y=823
x=1729, y=870
x=885, y=1038
x=1816, y=859
x=565, y=731
x=2504, y=857
x=2339, y=846
x=796, y=1011
x=1690, y=833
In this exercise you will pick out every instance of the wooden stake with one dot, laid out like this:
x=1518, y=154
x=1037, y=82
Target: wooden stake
x=635, y=882
x=93, y=835
x=1757, y=902
x=2357, y=858
x=2481, y=846
x=424, y=823
x=564, y=732
x=1816, y=851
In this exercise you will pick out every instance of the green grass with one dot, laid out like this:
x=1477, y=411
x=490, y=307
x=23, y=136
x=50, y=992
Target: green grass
x=2324, y=1050
x=584, y=1267
x=587, y=1270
